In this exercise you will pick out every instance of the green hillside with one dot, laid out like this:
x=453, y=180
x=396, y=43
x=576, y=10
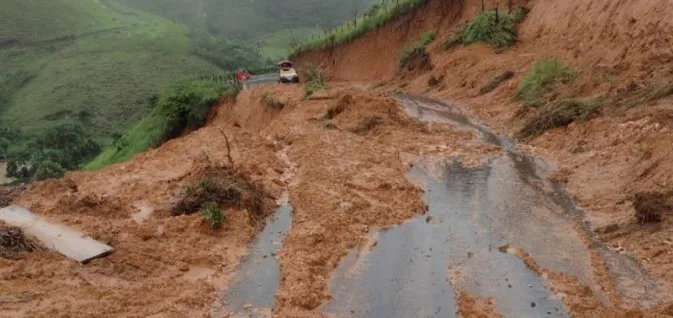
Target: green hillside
x=271, y=23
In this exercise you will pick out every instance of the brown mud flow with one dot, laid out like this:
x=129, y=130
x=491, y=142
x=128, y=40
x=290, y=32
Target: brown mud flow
x=418, y=268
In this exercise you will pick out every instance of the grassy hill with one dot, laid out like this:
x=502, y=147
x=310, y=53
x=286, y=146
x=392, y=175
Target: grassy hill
x=272, y=23
x=64, y=59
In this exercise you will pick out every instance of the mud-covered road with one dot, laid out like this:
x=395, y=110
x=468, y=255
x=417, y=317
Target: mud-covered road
x=482, y=225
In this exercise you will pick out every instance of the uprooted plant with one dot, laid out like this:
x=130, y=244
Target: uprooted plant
x=221, y=188
x=13, y=242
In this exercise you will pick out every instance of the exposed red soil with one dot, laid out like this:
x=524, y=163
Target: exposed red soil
x=471, y=307
x=620, y=48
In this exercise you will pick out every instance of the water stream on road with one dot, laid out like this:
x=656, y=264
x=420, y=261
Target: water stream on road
x=258, y=277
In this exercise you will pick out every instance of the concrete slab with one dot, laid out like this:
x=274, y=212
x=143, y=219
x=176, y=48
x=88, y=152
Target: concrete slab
x=60, y=238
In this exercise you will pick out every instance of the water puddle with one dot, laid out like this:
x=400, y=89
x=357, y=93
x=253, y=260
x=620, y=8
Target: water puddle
x=254, y=292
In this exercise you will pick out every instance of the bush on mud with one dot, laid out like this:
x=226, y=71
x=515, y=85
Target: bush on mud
x=417, y=51
x=495, y=82
x=559, y=113
x=499, y=29
x=314, y=81
x=222, y=188
x=271, y=101
x=650, y=206
x=183, y=106
x=13, y=243
x=541, y=79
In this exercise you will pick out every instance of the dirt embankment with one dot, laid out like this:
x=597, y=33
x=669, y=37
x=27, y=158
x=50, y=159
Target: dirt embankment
x=610, y=161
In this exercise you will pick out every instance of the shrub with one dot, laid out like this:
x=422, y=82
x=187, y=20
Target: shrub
x=49, y=170
x=314, y=81
x=64, y=147
x=559, y=113
x=418, y=49
x=540, y=79
x=496, y=28
x=213, y=213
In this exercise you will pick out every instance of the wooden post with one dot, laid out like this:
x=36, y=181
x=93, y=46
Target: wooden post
x=483, y=6
x=497, y=16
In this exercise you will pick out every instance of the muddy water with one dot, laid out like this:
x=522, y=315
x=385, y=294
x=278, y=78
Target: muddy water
x=258, y=277
x=417, y=269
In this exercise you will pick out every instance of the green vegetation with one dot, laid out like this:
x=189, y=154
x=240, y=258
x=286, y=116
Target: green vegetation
x=314, y=81
x=496, y=28
x=213, y=214
x=540, y=80
x=418, y=49
x=376, y=17
x=64, y=147
x=184, y=106
x=271, y=101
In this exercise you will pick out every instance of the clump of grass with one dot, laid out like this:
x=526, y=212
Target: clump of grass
x=271, y=101
x=499, y=29
x=367, y=125
x=559, y=113
x=213, y=214
x=418, y=49
x=314, y=81
x=541, y=79
x=494, y=82
x=649, y=95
